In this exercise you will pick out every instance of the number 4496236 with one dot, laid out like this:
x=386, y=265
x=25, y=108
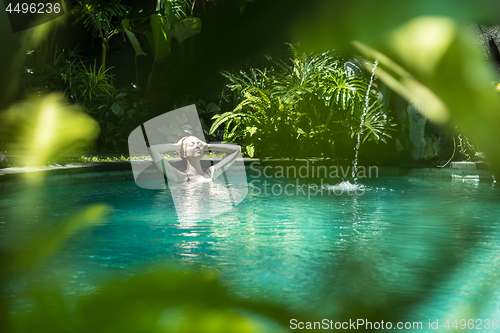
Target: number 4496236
x=477, y=324
x=34, y=8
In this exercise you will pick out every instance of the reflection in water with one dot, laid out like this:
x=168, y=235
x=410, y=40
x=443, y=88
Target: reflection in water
x=197, y=201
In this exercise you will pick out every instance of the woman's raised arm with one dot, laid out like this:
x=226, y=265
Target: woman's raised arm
x=233, y=152
x=162, y=164
x=227, y=148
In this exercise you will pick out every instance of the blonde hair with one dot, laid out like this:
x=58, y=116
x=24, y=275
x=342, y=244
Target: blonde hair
x=182, y=152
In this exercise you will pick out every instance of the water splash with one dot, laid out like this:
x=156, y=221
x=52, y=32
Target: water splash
x=346, y=187
x=360, y=133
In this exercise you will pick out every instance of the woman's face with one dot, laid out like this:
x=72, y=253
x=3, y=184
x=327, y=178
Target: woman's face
x=193, y=147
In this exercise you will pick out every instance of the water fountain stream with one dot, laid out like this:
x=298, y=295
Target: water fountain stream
x=360, y=133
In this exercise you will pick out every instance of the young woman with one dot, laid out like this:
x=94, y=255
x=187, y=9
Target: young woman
x=191, y=149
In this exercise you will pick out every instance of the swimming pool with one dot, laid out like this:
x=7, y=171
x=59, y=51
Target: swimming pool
x=435, y=240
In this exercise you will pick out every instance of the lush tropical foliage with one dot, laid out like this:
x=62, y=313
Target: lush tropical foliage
x=89, y=83
x=91, y=87
x=158, y=34
x=302, y=107
x=97, y=16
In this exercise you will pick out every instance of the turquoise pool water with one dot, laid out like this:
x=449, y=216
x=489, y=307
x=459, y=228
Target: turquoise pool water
x=435, y=242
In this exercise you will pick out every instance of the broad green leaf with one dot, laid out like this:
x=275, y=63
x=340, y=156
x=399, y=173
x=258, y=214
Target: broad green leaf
x=334, y=24
x=406, y=85
x=421, y=43
x=212, y=107
x=186, y=28
x=160, y=42
x=132, y=38
x=117, y=109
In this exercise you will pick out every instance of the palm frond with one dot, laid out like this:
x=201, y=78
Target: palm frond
x=376, y=124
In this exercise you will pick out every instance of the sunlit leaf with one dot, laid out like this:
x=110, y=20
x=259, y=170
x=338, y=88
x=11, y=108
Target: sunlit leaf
x=250, y=150
x=406, y=85
x=41, y=127
x=160, y=42
x=186, y=28
x=421, y=43
x=132, y=38
x=334, y=24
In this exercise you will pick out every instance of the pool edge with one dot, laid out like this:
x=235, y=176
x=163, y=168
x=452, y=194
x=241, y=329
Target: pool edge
x=15, y=179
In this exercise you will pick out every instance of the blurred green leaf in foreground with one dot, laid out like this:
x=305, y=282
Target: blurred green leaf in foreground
x=426, y=54
x=41, y=127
